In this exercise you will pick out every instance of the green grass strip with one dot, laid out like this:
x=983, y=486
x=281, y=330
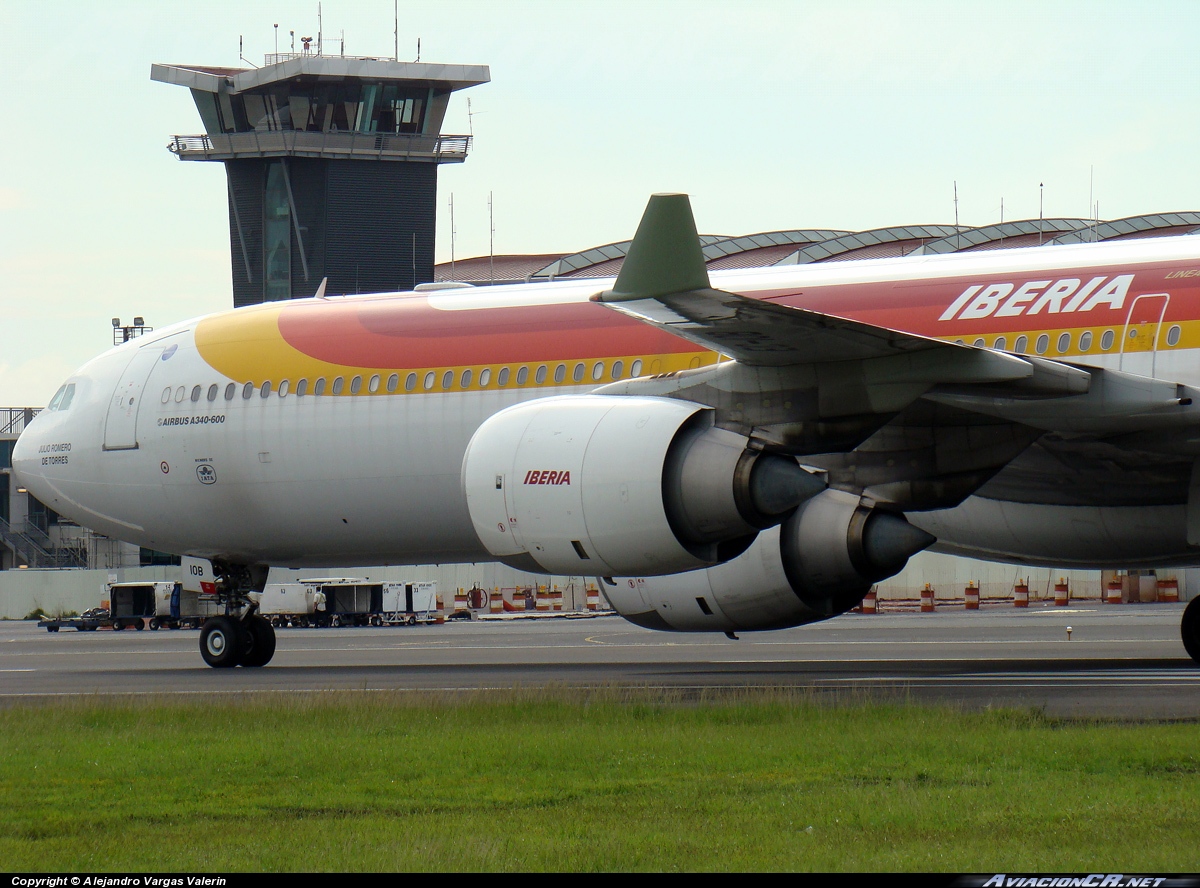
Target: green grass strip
x=597, y=781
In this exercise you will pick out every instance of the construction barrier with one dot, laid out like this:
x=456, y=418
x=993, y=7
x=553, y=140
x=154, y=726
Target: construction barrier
x=1114, y=591
x=593, y=598
x=1168, y=590
x=972, y=596
x=870, y=602
x=556, y=599
x=927, y=599
x=1062, y=593
x=497, y=602
x=460, y=600
x=543, y=599
x=1021, y=594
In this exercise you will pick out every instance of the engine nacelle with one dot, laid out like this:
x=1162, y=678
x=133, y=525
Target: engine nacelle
x=621, y=485
x=818, y=564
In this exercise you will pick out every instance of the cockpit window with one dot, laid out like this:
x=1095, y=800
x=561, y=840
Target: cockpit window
x=68, y=396
x=57, y=399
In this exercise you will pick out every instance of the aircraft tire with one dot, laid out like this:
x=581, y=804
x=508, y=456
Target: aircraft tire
x=139, y=625
x=118, y=625
x=260, y=641
x=222, y=642
x=1190, y=629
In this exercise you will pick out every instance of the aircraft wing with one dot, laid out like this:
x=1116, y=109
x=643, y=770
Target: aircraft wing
x=908, y=419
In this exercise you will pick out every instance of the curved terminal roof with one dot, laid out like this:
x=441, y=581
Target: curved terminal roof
x=805, y=245
x=1152, y=225
x=898, y=240
x=1025, y=233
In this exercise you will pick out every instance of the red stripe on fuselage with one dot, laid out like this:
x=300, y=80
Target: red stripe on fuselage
x=409, y=332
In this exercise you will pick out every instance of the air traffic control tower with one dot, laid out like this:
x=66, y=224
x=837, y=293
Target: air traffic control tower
x=331, y=163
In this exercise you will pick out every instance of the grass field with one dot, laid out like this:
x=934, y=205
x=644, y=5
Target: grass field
x=552, y=780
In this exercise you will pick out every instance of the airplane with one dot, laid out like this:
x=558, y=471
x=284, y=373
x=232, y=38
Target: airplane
x=744, y=451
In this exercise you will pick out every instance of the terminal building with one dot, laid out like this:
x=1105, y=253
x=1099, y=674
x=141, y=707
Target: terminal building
x=331, y=164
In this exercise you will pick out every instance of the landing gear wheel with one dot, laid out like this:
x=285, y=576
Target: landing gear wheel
x=1190, y=629
x=222, y=641
x=154, y=624
x=118, y=625
x=260, y=641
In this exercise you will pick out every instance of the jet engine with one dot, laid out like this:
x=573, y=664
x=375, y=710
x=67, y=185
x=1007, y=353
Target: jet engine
x=817, y=564
x=622, y=485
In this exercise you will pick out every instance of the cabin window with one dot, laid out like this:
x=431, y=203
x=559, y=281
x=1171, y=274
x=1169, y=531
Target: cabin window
x=1085, y=340
x=212, y=392
x=636, y=369
x=356, y=385
x=1021, y=344
x=410, y=382
x=1064, y=343
x=485, y=376
x=618, y=369
x=1106, y=339
x=448, y=379
x=301, y=388
x=179, y=393
x=319, y=386
x=247, y=391
x=230, y=391
x=338, y=384
x=522, y=375
x=465, y=380
x=1001, y=342
x=265, y=391
x=166, y=396
x=502, y=376
x=1043, y=343
x=577, y=373
x=196, y=391
x=283, y=388
x=393, y=382
x=373, y=385
x=429, y=378
x=1173, y=335
x=598, y=371
x=560, y=373
x=979, y=343
x=540, y=376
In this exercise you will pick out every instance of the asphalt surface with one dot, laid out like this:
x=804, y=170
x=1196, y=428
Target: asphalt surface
x=1124, y=661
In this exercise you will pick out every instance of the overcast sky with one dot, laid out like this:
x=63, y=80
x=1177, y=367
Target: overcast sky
x=771, y=115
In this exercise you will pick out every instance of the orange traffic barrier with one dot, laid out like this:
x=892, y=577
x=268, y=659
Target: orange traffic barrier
x=972, y=596
x=1168, y=590
x=543, y=598
x=593, y=598
x=927, y=599
x=1114, y=591
x=1062, y=592
x=870, y=602
x=1021, y=594
x=460, y=599
x=556, y=599
x=497, y=602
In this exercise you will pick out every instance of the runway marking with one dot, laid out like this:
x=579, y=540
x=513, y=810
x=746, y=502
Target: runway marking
x=18, y=670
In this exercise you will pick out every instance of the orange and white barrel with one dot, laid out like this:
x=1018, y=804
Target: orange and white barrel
x=1062, y=592
x=556, y=599
x=593, y=598
x=1168, y=590
x=870, y=602
x=1021, y=594
x=497, y=602
x=543, y=599
x=1114, y=591
x=460, y=599
x=927, y=599
x=971, y=594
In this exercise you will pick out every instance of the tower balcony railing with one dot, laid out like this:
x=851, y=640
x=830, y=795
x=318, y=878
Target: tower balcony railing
x=342, y=145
